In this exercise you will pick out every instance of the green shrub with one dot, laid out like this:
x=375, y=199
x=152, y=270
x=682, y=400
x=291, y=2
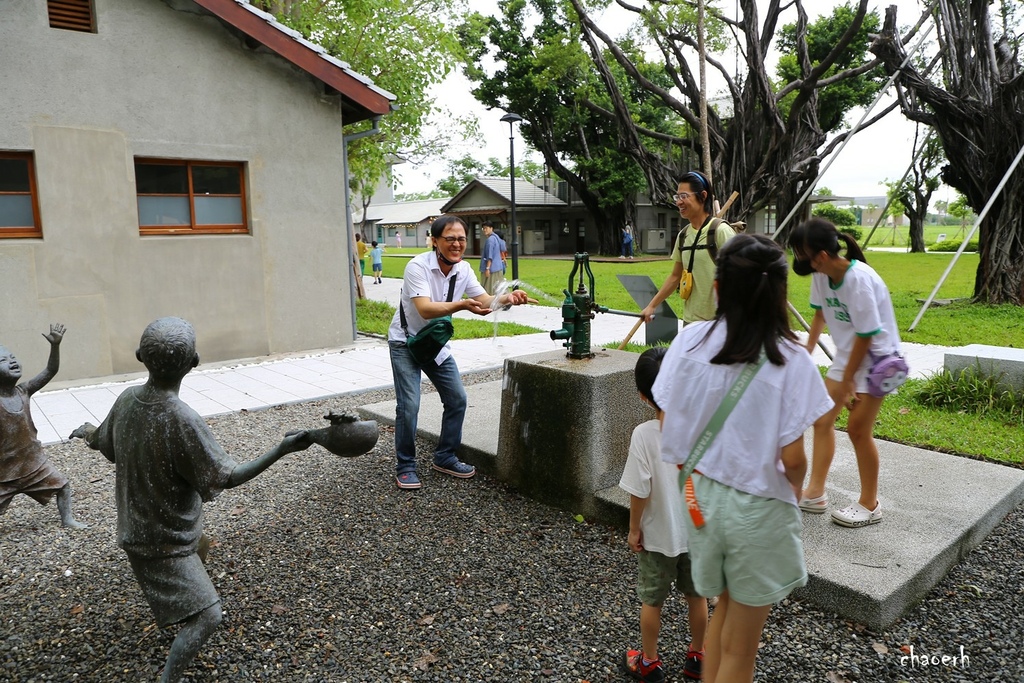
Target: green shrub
x=971, y=392
x=855, y=232
x=953, y=245
x=841, y=218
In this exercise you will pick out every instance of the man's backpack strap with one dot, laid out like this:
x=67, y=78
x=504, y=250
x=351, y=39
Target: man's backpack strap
x=712, y=241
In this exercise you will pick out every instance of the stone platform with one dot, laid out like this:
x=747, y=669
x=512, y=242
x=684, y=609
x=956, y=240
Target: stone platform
x=937, y=508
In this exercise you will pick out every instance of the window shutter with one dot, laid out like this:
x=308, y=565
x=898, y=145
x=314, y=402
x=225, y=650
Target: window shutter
x=73, y=15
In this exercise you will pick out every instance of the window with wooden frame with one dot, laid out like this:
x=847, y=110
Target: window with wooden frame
x=73, y=15
x=19, y=203
x=197, y=197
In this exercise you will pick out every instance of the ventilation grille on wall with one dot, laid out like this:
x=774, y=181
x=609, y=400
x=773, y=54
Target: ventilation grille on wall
x=74, y=15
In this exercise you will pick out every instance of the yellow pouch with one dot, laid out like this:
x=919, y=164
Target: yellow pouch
x=685, y=285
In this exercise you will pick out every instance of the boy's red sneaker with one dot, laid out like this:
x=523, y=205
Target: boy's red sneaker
x=694, y=666
x=634, y=666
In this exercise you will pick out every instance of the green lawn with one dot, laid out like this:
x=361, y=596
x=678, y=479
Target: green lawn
x=885, y=236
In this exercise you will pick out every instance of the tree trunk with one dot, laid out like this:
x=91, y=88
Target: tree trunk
x=916, y=232
x=915, y=204
x=978, y=119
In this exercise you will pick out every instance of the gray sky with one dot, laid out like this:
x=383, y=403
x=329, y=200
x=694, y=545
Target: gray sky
x=878, y=153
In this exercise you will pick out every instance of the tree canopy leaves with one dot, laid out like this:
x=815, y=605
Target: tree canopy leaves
x=406, y=48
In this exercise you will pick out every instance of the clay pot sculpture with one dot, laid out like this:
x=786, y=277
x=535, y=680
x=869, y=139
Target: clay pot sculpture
x=348, y=436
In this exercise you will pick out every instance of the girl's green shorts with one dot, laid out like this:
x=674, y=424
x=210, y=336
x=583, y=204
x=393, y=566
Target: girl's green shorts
x=749, y=545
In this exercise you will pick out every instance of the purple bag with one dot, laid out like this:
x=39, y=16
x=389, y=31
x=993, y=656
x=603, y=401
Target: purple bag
x=887, y=374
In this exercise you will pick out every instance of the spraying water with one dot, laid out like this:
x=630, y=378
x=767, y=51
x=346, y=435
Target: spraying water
x=506, y=286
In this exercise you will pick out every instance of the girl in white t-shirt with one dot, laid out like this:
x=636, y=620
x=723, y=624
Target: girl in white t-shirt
x=849, y=297
x=743, y=525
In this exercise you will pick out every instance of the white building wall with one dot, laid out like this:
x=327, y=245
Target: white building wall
x=157, y=82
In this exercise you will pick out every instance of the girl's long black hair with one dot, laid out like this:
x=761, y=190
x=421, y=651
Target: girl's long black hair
x=751, y=273
x=818, y=234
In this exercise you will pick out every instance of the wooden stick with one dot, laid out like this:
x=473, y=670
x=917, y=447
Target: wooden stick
x=725, y=208
x=629, y=336
x=720, y=214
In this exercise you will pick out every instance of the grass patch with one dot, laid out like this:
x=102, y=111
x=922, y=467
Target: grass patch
x=971, y=391
x=911, y=417
x=374, y=317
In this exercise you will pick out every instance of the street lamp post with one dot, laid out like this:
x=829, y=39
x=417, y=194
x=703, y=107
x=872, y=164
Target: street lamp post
x=510, y=119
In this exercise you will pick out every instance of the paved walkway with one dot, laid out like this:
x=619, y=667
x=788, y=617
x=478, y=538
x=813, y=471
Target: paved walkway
x=259, y=383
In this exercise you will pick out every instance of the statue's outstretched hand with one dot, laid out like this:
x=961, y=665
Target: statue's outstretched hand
x=297, y=440
x=83, y=432
x=55, y=335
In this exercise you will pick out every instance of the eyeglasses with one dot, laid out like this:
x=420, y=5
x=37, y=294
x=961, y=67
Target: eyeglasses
x=683, y=196
x=453, y=240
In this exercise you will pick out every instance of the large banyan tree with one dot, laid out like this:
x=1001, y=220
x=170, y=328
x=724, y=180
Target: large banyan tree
x=770, y=133
x=978, y=112
x=636, y=97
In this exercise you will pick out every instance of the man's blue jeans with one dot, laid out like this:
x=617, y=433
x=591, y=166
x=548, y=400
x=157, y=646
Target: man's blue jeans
x=446, y=379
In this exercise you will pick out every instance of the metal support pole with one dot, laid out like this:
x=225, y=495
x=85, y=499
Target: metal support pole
x=511, y=118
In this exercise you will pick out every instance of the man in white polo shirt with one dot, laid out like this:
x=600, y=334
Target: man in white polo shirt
x=434, y=285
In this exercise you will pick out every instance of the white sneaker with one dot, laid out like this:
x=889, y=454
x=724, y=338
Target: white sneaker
x=622, y=257
x=857, y=515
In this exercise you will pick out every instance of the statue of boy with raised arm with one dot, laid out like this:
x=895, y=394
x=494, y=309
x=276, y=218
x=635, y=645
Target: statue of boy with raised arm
x=24, y=467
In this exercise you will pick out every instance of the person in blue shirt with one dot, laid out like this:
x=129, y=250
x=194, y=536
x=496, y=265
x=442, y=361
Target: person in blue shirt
x=491, y=269
x=377, y=260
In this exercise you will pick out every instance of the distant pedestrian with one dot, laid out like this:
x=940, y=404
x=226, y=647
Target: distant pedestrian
x=627, y=242
x=657, y=533
x=361, y=251
x=504, y=250
x=398, y=239
x=852, y=299
x=492, y=271
x=377, y=262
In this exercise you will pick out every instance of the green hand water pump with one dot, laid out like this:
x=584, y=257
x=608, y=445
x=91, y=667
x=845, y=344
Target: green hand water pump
x=578, y=310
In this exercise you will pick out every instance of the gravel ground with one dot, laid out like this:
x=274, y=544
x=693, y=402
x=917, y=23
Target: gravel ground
x=329, y=573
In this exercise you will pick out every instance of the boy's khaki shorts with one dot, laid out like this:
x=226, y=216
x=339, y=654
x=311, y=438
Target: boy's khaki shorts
x=658, y=572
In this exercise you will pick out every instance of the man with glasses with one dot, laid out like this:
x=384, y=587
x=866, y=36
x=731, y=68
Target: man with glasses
x=695, y=249
x=433, y=286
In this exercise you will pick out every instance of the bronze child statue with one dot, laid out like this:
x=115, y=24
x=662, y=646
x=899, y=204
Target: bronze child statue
x=24, y=467
x=167, y=463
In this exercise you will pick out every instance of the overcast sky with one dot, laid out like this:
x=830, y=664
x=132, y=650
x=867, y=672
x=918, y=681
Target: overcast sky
x=878, y=153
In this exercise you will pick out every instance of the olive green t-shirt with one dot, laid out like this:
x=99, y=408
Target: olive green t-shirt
x=701, y=304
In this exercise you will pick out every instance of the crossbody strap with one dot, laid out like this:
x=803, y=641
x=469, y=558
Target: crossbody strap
x=714, y=425
x=401, y=309
x=694, y=247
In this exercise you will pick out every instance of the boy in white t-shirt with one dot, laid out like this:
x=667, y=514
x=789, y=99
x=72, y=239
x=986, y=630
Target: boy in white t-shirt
x=657, y=533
